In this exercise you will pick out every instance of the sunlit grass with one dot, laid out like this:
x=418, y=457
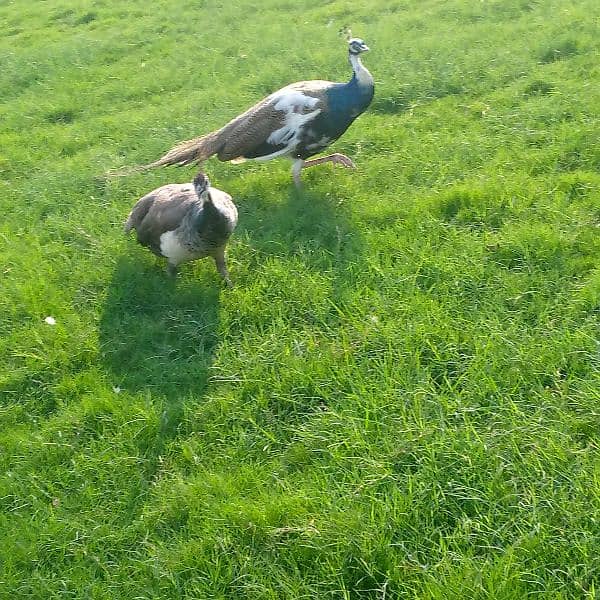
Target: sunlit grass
x=398, y=398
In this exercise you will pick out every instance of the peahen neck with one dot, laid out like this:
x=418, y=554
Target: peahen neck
x=204, y=208
x=361, y=73
x=200, y=188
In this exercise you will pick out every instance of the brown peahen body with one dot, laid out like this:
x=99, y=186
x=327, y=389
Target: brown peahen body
x=185, y=222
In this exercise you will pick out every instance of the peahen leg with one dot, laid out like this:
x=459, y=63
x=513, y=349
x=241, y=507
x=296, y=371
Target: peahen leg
x=221, y=265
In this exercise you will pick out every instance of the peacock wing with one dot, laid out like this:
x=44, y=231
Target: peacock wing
x=263, y=129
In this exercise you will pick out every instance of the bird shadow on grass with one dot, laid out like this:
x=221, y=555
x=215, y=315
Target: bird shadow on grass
x=317, y=229
x=158, y=335
x=309, y=248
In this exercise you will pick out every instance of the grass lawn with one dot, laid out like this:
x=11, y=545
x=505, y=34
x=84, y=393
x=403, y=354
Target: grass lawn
x=400, y=397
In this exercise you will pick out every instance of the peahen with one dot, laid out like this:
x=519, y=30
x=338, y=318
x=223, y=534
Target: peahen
x=296, y=122
x=184, y=222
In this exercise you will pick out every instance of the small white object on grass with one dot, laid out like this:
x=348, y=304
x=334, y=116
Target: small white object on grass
x=50, y=320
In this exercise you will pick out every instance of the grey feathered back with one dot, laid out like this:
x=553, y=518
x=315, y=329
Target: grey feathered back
x=176, y=207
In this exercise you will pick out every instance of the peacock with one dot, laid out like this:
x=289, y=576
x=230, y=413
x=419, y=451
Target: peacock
x=297, y=122
x=184, y=222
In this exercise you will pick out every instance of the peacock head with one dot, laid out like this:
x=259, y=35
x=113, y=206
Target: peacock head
x=201, y=183
x=356, y=46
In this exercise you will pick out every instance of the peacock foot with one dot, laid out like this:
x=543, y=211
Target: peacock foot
x=342, y=159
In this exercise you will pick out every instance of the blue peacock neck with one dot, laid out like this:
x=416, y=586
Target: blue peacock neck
x=362, y=82
x=360, y=73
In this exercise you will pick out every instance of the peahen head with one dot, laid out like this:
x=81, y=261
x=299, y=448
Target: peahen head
x=201, y=184
x=356, y=46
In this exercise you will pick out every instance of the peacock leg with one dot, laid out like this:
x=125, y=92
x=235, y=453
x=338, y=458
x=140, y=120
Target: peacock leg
x=336, y=159
x=171, y=269
x=296, y=168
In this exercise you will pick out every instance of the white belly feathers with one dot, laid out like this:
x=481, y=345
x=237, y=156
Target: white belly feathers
x=173, y=249
x=172, y=244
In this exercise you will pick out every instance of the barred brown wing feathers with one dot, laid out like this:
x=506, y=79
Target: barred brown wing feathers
x=250, y=132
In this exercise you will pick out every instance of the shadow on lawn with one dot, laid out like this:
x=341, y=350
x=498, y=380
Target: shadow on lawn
x=307, y=226
x=159, y=334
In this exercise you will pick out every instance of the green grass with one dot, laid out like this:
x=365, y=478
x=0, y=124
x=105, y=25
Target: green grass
x=399, y=398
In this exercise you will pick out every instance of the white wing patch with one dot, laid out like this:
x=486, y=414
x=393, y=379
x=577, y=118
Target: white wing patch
x=291, y=100
x=294, y=104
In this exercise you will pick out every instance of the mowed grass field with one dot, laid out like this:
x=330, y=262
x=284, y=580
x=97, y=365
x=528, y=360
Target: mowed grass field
x=400, y=397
